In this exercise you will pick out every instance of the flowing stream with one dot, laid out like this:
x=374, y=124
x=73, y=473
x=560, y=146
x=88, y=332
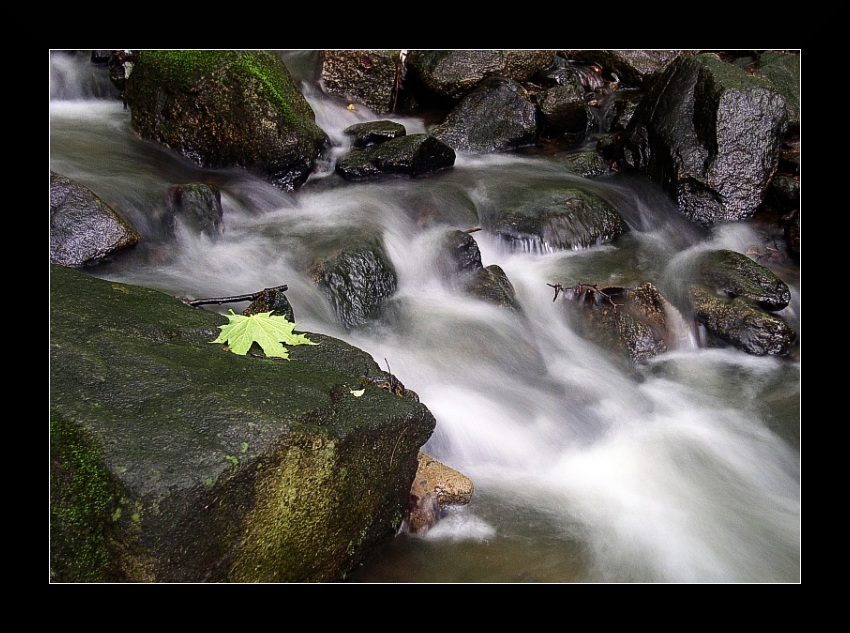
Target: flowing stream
x=685, y=469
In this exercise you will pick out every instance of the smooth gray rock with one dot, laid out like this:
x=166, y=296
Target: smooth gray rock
x=84, y=230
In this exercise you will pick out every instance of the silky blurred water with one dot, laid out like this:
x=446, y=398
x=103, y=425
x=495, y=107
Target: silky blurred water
x=685, y=469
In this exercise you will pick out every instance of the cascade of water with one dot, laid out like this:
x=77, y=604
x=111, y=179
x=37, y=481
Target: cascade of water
x=681, y=470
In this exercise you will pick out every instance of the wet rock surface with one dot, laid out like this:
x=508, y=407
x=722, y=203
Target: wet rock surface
x=84, y=230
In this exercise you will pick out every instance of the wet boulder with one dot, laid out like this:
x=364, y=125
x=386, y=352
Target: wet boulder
x=498, y=115
x=226, y=109
x=736, y=275
x=733, y=297
x=741, y=323
x=460, y=260
x=567, y=72
x=452, y=74
x=373, y=132
x=272, y=300
x=491, y=284
x=631, y=322
x=369, y=77
x=435, y=489
x=358, y=281
x=564, y=112
x=460, y=254
x=551, y=218
x=197, y=206
x=174, y=460
x=410, y=155
x=84, y=230
x=709, y=133
x=635, y=68
x=617, y=110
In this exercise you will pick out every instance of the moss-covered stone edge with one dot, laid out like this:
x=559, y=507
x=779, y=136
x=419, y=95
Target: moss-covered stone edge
x=185, y=68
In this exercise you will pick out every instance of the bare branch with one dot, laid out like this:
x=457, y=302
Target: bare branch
x=236, y=298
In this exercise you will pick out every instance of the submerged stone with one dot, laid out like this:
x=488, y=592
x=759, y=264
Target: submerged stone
x=557, y=218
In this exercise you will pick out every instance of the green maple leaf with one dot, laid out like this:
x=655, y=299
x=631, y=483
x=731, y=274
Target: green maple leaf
x=268, y=331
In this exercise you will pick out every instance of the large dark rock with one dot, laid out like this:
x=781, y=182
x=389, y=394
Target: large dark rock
x=733, y=296
x=498, y=115
x=460, y=263
x=551, y=218
x=633, y=67
x=565, y=113
x=197, y=206
x=370, y=77
x=491, y=284
x=373, y=132
x=226, y=109
x=631, y=323
x=357, y=281
x=710, y=134
x=455, y=73
x=410, y=155
x=84, y=230
x=175, y=460
x=736, y=275
x=459, y=254
x=742, y=323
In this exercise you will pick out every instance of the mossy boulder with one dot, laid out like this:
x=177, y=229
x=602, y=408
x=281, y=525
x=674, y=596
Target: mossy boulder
x=555, y=217
x=733, y=296
x=783, y=71
x=176, y=460
x=742, y=323
x=226, y=109
x=736, y=275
